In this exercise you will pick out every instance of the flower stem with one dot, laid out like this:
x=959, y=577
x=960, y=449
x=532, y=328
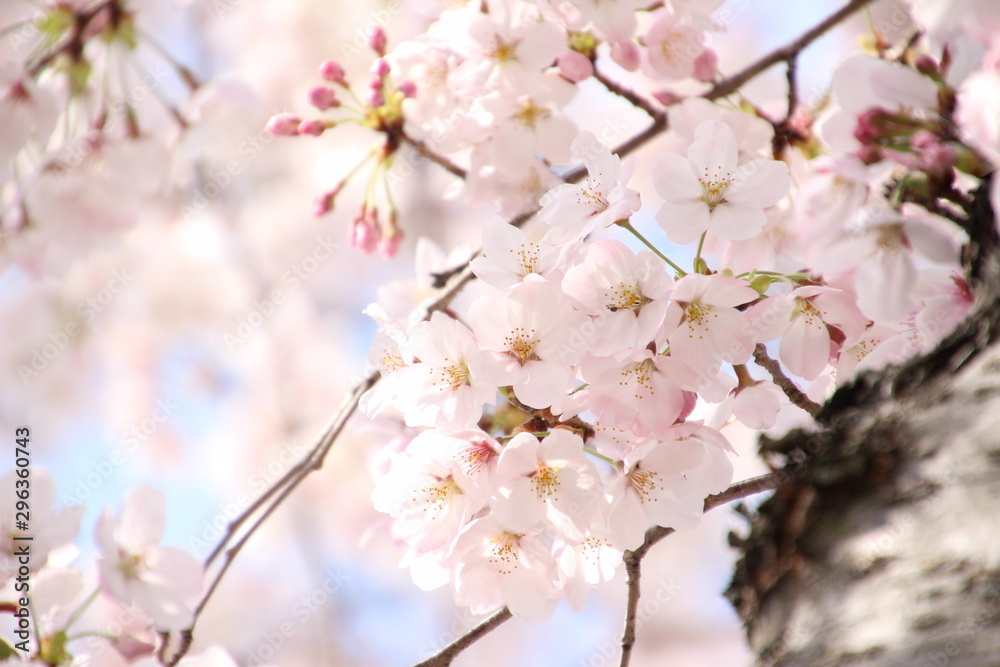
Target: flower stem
x=697, y=254
x=625, y=224
x=82, y=608
x=595, y=454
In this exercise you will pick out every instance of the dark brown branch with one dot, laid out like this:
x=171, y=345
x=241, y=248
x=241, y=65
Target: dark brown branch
x=633, y=98
x=633, y=559
x=436, y=158
x=793, y=88
x=794, y=394
x=584, y=429
x=444, y=657
x=732, y=83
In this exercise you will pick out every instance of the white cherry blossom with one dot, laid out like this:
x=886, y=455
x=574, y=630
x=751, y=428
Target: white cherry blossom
x=163, y=581
x=710, y=191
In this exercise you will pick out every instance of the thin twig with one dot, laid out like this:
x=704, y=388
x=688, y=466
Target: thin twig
x=733, y=83
x=794, y=394
x=627, y=93
x=633, y=559
x=436, y=158
x=444, y=657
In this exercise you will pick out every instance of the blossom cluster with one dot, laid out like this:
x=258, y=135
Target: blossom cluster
x=549, y=421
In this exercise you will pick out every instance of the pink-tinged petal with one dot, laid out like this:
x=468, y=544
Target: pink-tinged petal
x=717, y=290
x=805, y=347
x=517, y=506
x=760, y=183
x=885, y=286
x=770, y=318
x=541, y=45
x=935, y=238
x=684, y=221
x=675, y=178
x=841, y=310
x=714, y=149
x=757, y=406
x=627, y=520
x=561, y=445
x=736, y=222
x=544, y=384
x=518, y=458
x=555, y=138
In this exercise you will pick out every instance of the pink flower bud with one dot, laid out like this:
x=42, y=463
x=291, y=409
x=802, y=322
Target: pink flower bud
x=323, y=203
x=380, y=68
x=332, y=71
x=706, y=65
x=927, y=65
x=408, y=88
x=377, y=41
x=869, y=154
x=626, y=54
x=312, y=126
x=323, y=97
x=375, y=98
x=872, y=125
x=283, y=125
x=666, y=98
x=366, y=232
x=388, y=246
x=574, y=66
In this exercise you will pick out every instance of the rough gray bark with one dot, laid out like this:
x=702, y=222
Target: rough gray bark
x=884, y=547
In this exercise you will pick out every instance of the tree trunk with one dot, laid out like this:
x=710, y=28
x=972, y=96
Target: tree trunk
x=884, y=547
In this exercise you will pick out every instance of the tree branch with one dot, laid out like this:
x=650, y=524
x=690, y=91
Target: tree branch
x=794, y=394
x=436, y=158
x=633, y=559
x=732, y=83
x=634, y=98
x=444, y=657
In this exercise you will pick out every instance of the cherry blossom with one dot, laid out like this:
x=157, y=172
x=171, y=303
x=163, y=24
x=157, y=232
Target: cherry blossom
x=702, y=324
x=813, y=323
x=672, y=47
x=585, y=564
x=574, y=211
x=709, y=191
x=444, y=387
x=162, y=580
x=510, y=255
x=496, y=566
x=624, y=292
x=422, y=491
x=637, y=390
x=532, y=340
x=664, y=482
x=548, y=479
